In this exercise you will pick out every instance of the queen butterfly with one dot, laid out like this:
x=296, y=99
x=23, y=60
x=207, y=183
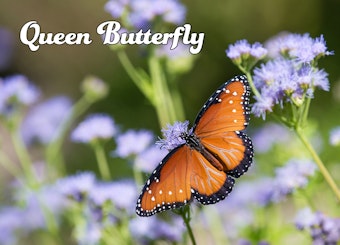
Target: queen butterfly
x=214, y=151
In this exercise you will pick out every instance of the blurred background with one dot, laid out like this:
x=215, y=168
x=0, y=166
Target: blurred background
x=60, y=69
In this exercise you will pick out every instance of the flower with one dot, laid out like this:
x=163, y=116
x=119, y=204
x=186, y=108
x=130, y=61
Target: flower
x=322, y=229
x=96, y=126
x=293, y=175
x=334, y=138
x=16, y=90
x=270, y=134
x=243, y=49
x=141, y=13
x=174, y=135
x=43, y=122
x=303, y=48
x=94, y=88
x=76, y=186
x=133, y=142
x=147, y=160
x=122, y=194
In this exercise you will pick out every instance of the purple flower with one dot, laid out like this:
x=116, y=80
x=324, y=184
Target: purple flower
x=293, y=175
x=147, y=160
x=303, y=48
x=334, y=138
x=154, y=228
x=242, y=49
x=269, y=135
x=322, y=229
x=121, y=193
x=133, y=142
x=173, y=135
x=43, y=122
x=141, y=13
x=76, y=186
x=96, y=126
x=117, y=7
x=16, y=90
x=262, y=106
x=10, y=223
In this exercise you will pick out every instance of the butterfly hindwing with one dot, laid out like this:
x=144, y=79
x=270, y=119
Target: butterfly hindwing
x=208, y=184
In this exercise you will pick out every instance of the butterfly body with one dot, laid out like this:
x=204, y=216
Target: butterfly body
x=212, y=152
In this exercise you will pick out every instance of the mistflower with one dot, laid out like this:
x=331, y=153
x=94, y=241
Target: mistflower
x=43, y=121
x=292, y=176
x=147, y=160
x=334, y=138
x=76, y=186
x=141, y=13
x=174, y=135
x=96, y=126
x=114, y=191
x=243, y=50
x=303, y=48
x=16, y=90
x=322, y=229
x=94, y=88
x=269, y=135
x=133, y=142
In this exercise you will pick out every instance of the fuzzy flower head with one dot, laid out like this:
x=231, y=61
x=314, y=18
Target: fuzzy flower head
x=174, y=135
x=43, y=121
x=303, y=48
x=15, y=91
x=133, y=142
x=322, y=229
x=334, y=138
x=97, y=126
x=283, y=81
x=246, y=54
x=141, y=13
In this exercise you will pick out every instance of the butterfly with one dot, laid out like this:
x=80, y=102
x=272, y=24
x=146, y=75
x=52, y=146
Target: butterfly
x=215, y=152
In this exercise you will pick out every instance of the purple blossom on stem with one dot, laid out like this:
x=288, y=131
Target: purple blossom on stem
x=244, y=49
x=322, y=229
x=147, y=160
x=334, y=138
x=96, y=126
x=303, y=48
x=76, y=186
x=173, y=135
x=16, y=90
x=140, y=13
x=133, y=142
x=43, y=121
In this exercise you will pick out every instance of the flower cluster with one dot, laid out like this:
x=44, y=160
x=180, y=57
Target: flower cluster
x=322, y=229
x=334, y=138
x=15, y=91
x=141, y=13
x=138, y=145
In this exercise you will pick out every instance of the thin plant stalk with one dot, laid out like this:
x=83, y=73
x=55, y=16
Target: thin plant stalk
x=329, y=179
x=102, y=161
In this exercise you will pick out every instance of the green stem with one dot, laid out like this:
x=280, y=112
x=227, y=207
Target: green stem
x=251, y=83
x=9, y=165
x=185, y=213
x=137, y=176
x=102, y=161
x=330, y=181
x=54, y=158
x=23, y=155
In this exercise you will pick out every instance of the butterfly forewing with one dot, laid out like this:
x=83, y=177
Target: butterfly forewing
x=169, y=185
x=219, y=125
x=226, y=110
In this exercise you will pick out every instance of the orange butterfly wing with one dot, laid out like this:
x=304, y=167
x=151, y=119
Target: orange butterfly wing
x=219, y=125
x=182, y=174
